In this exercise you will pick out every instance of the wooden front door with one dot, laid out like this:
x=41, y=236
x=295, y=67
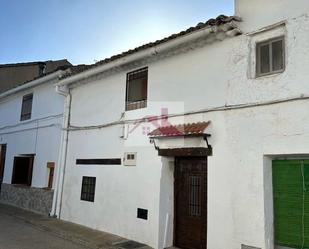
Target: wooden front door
x=191, y=203
x=2, y=162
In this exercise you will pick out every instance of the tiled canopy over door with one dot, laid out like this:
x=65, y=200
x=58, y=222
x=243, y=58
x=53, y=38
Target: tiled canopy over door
x=291, y=203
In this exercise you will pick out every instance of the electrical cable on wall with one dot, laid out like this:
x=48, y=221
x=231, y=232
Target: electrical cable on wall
x=32, y=128
x=302, y=97
x=31, y=121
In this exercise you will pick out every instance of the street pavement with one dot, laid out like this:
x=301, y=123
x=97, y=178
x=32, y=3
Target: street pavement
x=22, y=229
x=19, y=234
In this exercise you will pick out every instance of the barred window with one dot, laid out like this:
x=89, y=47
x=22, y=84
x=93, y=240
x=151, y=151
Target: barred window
x=137, y=89
x=88, y=189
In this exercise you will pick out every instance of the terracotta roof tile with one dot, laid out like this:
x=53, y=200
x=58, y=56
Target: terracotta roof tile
x=180, y=130
x=222, y=19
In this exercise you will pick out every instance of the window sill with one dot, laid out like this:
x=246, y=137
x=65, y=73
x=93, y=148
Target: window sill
x=268, y=75
x=130, y=106
x=47, y=189
x=86, y=201
x=24, y=120
x=21, y=186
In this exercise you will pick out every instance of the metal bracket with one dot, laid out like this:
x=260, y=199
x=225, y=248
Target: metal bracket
x=206, y=139
x=152, y=141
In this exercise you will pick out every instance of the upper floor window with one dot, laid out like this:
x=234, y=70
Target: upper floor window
x=270, y=57
x=26, y=107
x=136, y=96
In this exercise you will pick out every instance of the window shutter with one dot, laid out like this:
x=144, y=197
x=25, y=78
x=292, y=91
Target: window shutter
x=270, y=57
x=264, y=59
x=277, y=55
x=26, y=108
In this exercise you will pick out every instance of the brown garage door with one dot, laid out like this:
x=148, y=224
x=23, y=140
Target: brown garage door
x=191, y=203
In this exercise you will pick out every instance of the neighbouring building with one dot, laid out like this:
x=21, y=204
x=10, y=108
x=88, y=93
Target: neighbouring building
x=12, y=75
x=199, y=140
x=30, y=132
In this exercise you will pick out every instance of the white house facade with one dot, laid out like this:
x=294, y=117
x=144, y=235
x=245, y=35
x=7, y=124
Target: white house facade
x=30, y=134
x=238, y=91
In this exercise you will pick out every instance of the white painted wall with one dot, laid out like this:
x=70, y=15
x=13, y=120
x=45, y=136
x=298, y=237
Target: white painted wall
x=243, y=140
x=259, y=13
x=40, y=135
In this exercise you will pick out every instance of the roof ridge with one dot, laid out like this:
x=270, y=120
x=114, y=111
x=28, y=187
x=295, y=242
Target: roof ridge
x=29, y=63
x=220, y=20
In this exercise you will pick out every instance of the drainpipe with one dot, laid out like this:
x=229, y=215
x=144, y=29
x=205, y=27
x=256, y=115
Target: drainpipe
x=58, y=191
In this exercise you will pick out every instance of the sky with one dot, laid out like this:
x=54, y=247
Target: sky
x=86, y=31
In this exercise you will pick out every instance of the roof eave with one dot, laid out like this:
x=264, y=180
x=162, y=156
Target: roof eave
x=230, y=29
x=181, y=135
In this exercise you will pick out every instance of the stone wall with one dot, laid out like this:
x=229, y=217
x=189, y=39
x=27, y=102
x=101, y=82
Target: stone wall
x=34, y=199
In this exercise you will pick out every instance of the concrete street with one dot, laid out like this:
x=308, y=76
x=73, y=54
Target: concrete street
x=18, y=234
x=21, y=229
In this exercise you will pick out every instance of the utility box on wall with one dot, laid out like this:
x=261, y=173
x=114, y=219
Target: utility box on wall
x=129, y=159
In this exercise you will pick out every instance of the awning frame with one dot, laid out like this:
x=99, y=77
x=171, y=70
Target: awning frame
x=192, y=151
x=186, y=152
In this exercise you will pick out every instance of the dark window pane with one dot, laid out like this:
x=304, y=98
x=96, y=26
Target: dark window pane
x=277, y=53
x=137, y=89
x=88, y=189
x=264, y=59
x=22, y=170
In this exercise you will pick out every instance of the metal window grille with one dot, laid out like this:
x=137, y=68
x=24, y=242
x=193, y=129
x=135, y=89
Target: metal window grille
x=88, y=189
x=195, y=196
x=136, y=96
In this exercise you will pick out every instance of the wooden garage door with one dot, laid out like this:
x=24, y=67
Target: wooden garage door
x=191, y=203
x=291, y=203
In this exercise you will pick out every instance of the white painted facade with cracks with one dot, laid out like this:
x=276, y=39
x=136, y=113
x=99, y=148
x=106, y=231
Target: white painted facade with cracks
x=253, y=120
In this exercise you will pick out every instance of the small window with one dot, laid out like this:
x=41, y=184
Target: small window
x=26, y=107
x=136, y=97
x=142, y=213
x=270, y=57
x=88, y=189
